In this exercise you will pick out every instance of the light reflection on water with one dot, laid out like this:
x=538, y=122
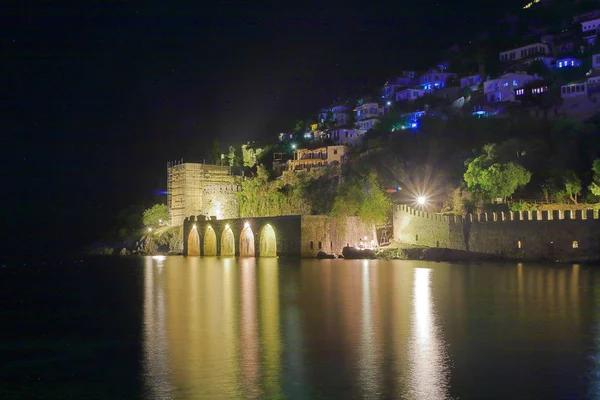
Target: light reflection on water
x=268, y=328
x=429, y=371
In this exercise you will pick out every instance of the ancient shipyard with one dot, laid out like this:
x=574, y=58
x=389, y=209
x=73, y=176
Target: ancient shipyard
x=191, y=190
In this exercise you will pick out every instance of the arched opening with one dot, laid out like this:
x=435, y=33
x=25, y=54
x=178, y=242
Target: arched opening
x=575, y=244
x=247, y=242
x=268, y=242
x=193, y=248
x=227, y=243
x=210, y=242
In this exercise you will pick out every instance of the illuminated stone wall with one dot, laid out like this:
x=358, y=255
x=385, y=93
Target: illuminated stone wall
x=185, y=187
x=330, y=235
x=295, y=235
x=221, y=201
x=557, y=235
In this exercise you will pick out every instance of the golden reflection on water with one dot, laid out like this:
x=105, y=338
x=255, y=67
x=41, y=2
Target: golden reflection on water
x=429, y=371
x=235, y=328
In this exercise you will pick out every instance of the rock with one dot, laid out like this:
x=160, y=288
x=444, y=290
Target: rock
x=322, y=255
x=356, y=254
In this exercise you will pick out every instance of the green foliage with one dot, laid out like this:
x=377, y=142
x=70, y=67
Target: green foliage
x=487, y=177
x=232, y=158
x=250, y=155
x=261, y=197
x=594, y=188
x=216, y=152
x=155, y=216
x=522, y=206
x=363, y=198
x=572, y=185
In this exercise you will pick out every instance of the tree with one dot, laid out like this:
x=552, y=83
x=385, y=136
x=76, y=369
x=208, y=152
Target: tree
x=491, y=179
x=595, y=186
x=232, y=157
x=362, y=198
x=572, y=185
x=250, y=155
x=156, y=215
x=216, y=152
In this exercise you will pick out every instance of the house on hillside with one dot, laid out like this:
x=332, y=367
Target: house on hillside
x=526, y=55
x=340, y=114
x=567, y=62
x=409, y=94
x=315, y=158
x=347, y=137
x=435, y=79
x=596, y=61
x=574, y=89
x=503, y=88
x=392, y=86
x=471, y=81
x=589, y=29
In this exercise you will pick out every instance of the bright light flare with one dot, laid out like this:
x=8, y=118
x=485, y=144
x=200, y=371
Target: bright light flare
x=421, y=200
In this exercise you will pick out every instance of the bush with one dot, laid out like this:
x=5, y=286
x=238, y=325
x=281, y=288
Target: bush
x=522, y=206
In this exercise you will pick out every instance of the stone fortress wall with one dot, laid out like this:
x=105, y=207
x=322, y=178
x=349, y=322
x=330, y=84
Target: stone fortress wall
x=221, y=201
x=556, y=235
x=291, y=235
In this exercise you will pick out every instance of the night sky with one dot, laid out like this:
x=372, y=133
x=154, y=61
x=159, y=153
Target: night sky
x=97, y=98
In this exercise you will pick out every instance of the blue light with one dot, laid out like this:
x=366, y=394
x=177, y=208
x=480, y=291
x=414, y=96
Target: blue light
x=413, y=125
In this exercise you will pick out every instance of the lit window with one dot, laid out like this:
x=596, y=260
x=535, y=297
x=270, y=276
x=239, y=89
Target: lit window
x=519, y=244
x=575, y=244
x=505, y=84
x=515, y=82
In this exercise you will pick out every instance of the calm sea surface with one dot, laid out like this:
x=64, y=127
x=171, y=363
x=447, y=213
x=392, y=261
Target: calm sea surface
x=210, y=328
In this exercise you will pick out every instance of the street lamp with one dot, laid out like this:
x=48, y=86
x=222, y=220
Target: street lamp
x=421, y=200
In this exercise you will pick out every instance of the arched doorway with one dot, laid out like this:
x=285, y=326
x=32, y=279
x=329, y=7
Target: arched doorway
x=247, y=242
x=268, y=242
x=227, y=243
x=193, y=248
x=210, y=242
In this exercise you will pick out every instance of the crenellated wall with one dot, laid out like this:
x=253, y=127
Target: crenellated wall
x=556, y=235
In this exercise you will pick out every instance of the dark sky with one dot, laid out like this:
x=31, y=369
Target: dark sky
x=98, y=96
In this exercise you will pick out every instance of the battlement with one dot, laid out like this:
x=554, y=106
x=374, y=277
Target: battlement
x=511, y=216
x=229, y=188
x=555, y=235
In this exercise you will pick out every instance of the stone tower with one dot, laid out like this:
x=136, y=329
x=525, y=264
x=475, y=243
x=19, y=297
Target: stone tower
x=185, y=187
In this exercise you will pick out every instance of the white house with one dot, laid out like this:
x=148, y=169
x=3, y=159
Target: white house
x=503, y=89
x=338, y=113
x=470, y=81
x=347, y=137
x=368, y=110
x=573, y=90
x=589, y=30
x=409, y=94
x=366, y=124
x=596, y=61
x=524, y=52
x=433, y=80
x=394, y=85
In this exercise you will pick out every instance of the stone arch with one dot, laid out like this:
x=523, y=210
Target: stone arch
x=210, y=242
x=247, y=242
x=227, y=242
x=268, y=242
x=193, y=248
